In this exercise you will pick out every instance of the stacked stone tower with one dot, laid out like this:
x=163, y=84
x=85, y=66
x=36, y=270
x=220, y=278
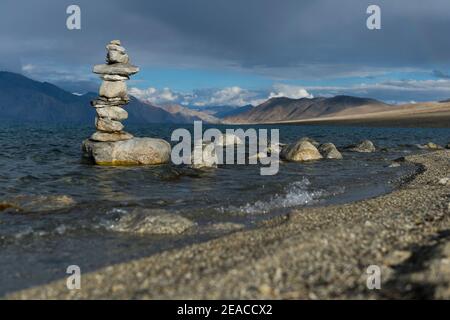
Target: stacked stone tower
x=113, y=94
x=110, y=144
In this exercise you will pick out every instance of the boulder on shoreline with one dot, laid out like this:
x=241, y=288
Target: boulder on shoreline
x=329, y=151
x=135, y=151
x=301, y=150
x=365, y=146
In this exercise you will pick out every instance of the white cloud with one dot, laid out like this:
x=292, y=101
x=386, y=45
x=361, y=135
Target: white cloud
x=228, y=96
x=155, y=96
x=289, y=91
x=392, y=91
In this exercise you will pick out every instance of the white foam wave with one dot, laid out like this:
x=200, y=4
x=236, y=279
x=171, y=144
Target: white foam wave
x=296, y=194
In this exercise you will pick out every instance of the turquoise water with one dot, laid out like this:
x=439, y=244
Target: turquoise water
x=37, y=245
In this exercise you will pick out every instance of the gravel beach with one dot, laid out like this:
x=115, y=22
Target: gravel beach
x=310, y=253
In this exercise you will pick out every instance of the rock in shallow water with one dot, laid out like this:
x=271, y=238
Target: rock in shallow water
x=152, y=222
x=329, y=151
x=365, y=146
x=37, y=203
x=136, y=151
x=302, y=150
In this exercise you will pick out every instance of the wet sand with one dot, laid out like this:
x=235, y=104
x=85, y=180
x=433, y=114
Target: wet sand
x=309, y=253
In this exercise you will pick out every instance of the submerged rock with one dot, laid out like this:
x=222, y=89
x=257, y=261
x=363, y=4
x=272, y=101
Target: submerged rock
x=302, y=150
x=136, y=151
x=329, y=151
x=447, y=146
x=152, y=222
x=365, y=146
x=37, y=203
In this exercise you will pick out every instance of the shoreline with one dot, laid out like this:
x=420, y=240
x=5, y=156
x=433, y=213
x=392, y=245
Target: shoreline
x=309, y=253
x=380, y=119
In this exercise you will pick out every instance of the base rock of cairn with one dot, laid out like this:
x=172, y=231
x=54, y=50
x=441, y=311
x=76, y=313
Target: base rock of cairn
x=110, y=144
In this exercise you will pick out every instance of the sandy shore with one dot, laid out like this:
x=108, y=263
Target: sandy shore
x=310, y=253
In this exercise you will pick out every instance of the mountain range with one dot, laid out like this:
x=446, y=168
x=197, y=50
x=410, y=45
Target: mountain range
x=26, y=100
x=285, y=109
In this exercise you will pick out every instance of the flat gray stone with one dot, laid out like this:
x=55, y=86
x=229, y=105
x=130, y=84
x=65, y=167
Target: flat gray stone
x=114, y=77
x=121, y=69
x=136, y=151
x=108, y=125
x=111, y=137
x=113, y=89
x=113, y=113
x=102, y=102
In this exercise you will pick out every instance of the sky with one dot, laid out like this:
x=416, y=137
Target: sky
x=229, y=52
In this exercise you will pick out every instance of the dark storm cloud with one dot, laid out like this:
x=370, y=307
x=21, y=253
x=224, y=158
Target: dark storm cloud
x=303, y=39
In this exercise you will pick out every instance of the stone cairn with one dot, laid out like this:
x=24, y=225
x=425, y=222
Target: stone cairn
x=110, y=145
x=113, y=94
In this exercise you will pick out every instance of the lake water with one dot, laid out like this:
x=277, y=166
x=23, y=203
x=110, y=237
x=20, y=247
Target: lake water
x=37, y=161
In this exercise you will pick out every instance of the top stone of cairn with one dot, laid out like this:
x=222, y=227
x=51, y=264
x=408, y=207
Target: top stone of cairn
x=117, y=62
